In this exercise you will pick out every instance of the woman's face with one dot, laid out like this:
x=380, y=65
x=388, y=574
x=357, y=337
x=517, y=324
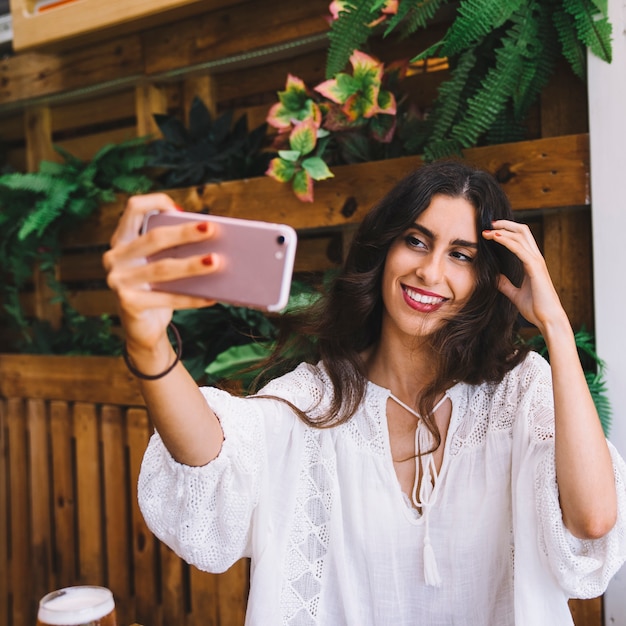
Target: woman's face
x=429, y=272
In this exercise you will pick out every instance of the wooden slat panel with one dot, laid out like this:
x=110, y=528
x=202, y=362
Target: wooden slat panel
x=587, y=612
x=116, y=510
x=543, y=173
x=34, y=74
x=12, y=128
x=269, y=78
x=86, y=147
x=172, y=587
x=20, y=545
x=42, y=580
x=146, y=582
x=84, y=21
x=69, y=378
x=5, y=510
x=94, y=302
x=232, y=31
x=568, y=254
x=204, y=598
x=233, y=591
x=88, y=495
x=84, y=113
x=83, y=267
x=63, y=494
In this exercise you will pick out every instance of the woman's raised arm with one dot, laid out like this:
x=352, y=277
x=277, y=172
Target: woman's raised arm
x=188, y=427
x=584, y=468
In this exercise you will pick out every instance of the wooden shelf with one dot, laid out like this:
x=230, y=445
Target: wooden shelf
x=73, y=23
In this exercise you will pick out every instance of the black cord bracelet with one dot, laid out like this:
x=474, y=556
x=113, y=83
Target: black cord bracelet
x=179, y=350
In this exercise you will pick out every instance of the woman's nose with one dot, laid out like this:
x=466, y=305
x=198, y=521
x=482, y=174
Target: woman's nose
x=430, y=270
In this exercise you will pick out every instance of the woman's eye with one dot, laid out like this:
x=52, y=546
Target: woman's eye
x=414, y=242
x=462, y=257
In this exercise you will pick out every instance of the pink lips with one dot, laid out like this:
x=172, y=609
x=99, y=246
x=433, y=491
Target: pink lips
x=421, y=300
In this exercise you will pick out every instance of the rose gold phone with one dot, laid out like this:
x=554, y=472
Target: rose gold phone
x=256, y=260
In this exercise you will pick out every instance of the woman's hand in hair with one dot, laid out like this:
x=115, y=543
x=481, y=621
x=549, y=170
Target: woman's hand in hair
x=584, y=469
x=536, y=298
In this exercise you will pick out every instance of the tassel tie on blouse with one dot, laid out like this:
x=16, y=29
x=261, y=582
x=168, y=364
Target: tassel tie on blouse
x=425, y=500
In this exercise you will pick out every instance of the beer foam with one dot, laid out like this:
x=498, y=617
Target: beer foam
x=75, y=605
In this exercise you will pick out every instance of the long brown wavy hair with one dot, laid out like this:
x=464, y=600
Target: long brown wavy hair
x=479, y=344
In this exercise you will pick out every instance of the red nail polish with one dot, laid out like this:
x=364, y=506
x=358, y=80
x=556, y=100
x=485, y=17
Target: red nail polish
x=207, y=260
x=497, y=234
x=202, y=227
x=178, y=208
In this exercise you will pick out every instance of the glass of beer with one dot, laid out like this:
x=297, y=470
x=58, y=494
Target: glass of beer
x=77, y=606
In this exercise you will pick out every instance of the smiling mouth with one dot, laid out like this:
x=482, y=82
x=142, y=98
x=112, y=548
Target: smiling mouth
x=421, y=298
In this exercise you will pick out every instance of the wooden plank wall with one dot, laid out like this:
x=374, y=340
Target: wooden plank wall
x=70, y=453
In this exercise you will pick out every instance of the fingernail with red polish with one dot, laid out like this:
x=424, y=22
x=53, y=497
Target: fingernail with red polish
x=178, y=208
x=202, y=227
x=497, y=234
x=207, y=260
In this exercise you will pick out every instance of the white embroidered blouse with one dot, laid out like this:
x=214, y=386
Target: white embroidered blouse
x=334, y=542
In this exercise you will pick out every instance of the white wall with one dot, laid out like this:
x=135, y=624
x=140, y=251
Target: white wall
x=607, y=126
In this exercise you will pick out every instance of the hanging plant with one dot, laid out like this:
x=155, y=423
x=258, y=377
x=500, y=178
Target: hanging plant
x=35, y=209
x=208, y=150
x=501, y=54
x=351, y=118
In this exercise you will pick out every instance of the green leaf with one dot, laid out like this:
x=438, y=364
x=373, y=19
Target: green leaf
x=303, y=186
x=303, y=137
x=230, y=363
x=281, y=170
x=289, y=155
x=476, y=18
x=317, y=168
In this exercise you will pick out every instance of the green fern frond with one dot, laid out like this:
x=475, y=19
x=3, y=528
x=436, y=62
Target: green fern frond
x=412, y=15
x=485, y=106
x=571, y=47
x=505, y=128
x=441, y=149
x=601, y=5
x=31, y=182
x=448, y=101
x=70, y=159
x=347, y=34
x=476, y=18
x=593, y=27
x=542, y=57
x=501, y=81
x=130, y=183
x=47, y=210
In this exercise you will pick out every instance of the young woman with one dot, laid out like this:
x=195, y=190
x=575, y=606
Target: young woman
x=424, y=468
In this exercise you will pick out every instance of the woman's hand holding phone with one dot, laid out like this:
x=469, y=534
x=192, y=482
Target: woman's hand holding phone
x=145, y=313
x=162, y=259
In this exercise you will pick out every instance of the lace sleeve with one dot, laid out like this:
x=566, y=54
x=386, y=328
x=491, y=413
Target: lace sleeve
x=213, y=515
x=204, y=513
x=583, y=568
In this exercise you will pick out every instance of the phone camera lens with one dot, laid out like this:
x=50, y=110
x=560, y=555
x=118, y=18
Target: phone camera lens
x=280, y=240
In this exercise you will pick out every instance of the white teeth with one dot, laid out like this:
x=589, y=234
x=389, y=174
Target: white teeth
x=422, y=299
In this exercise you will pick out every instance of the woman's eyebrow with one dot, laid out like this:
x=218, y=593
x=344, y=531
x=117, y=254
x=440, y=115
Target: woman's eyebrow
x=455, y=242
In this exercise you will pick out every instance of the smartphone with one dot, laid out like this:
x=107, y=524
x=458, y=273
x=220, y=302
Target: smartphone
x=256, y=260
